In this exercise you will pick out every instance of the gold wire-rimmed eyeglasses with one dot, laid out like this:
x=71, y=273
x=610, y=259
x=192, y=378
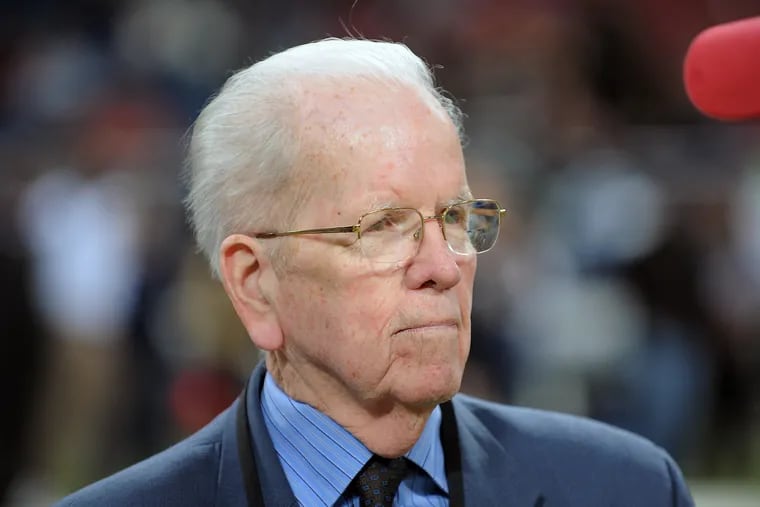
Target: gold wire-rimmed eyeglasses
x=394, y=234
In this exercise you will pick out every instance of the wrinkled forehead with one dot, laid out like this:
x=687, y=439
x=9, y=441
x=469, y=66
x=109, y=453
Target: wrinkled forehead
x=356, y=121
x=351, y=107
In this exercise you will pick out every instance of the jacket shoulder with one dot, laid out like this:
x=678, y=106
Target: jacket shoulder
x=554, y=429
x=578, y=453
x=182, y=475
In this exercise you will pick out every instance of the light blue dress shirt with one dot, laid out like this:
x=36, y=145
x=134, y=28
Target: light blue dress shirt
x=320, y=458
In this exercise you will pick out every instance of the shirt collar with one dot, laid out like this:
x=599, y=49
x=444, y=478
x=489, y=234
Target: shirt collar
x=320, y=458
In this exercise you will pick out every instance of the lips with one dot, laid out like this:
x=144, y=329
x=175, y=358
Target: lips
x=428, y=325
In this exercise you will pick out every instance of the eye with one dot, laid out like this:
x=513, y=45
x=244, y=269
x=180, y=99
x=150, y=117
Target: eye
x=378, y=222
x=455, y=215
x=388, y=220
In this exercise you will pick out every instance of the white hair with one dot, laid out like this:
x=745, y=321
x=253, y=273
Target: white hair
x=244, y=144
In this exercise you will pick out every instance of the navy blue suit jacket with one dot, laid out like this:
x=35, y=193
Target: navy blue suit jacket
x=510, y=456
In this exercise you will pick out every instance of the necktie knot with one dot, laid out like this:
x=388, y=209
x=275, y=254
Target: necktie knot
x=378, y=481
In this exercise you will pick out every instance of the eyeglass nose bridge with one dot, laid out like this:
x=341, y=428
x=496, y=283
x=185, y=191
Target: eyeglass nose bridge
x=420, y=234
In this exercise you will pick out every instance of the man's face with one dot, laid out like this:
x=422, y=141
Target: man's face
x=359, y=332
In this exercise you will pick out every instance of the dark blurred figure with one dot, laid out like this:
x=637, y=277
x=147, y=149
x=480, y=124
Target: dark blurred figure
x=23, y=347
x=79, y=219
x=665, y=390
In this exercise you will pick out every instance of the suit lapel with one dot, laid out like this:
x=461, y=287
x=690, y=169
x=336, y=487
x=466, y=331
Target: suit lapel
x=497, y=470
x=274, y=485
x=230, y=484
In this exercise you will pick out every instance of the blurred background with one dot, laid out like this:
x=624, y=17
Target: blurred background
x=625, y=285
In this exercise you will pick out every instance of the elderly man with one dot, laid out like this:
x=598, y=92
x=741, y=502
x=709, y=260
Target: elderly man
x=328, y=190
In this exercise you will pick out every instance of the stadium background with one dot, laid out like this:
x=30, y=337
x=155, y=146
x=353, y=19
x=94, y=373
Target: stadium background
x=625, y=286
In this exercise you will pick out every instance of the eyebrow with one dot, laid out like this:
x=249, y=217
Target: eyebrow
x=464, y=195
x=378, y=204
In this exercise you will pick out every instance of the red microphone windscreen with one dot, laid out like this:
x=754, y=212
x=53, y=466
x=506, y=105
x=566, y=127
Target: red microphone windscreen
x=722, y=70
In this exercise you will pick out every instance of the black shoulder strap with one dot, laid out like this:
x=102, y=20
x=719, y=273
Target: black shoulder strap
x=452, y=454
x=245, y=454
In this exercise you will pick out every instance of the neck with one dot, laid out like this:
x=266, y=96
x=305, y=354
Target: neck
x=387, y=428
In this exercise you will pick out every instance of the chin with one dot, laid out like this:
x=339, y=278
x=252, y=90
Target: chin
x=432, y=387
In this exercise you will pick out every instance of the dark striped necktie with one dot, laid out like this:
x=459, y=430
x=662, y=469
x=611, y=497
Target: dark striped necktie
x=378, y=481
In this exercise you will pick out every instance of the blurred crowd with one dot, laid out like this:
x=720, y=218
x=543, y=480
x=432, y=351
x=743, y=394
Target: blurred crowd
x=625, y=285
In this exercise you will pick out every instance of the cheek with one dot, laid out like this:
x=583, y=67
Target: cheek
x=339, y=314
x=367, y=309
x=347, y=334
x=465, y=292
x=465, y=287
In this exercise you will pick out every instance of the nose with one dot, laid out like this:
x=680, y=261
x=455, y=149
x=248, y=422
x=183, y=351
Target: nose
x=435, y=265
x=434, y=218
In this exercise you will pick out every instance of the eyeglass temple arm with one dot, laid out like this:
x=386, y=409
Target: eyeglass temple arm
x=501, y=211
x=328, y=230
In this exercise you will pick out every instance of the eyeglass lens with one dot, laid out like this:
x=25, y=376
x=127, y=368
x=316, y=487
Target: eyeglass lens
x=392, y=235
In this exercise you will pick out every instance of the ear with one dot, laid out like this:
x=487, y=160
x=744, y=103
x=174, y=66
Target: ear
x=242, y=265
